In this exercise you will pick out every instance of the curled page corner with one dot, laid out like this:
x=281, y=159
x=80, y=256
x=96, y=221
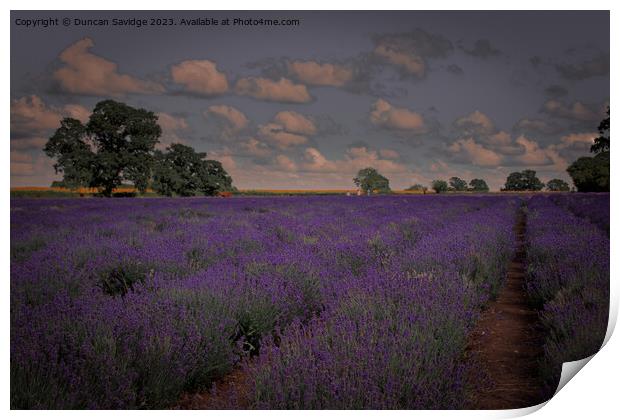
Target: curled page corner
x=569, y=370
x=613, y=317
x=520, y=412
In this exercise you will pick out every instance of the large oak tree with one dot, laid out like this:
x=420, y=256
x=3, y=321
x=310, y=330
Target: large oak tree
x=115, y=145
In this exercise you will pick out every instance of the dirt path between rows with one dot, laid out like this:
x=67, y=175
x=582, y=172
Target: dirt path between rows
x=229, y=393
x=506, y=345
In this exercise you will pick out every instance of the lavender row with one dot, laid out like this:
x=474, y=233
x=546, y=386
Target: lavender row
x=568, y=279
x=127, y=303
x=394, y=337
x=592, y=207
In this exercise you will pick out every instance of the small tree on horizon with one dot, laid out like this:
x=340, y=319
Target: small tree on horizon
x=439, y=186
x=458, y=184
x=523, y=181
x=557, y=184
x=478, y=184
x=369, y=180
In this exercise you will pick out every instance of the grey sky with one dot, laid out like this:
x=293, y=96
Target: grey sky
x=418, y=95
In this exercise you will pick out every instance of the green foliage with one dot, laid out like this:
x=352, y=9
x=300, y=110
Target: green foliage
x=116, y=144
x=601, y=143
x=523, y=181
x=120, y=279
x=369, y=180
x=591, y=174
x=21, y=251
x=478, y=184
x=558, y=185
x=183, y=171
x=74, y=157
x=215, y=179
x=439, y=186
x=458, y=184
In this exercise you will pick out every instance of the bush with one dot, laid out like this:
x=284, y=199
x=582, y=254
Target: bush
x=120, y=279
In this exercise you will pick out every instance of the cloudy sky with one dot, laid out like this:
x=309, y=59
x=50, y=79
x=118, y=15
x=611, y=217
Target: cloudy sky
x=417, y=95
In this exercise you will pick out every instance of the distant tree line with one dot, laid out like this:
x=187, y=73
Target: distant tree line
x=588, y=174
x=117, y=145
x=369, y=180
x=459, y=185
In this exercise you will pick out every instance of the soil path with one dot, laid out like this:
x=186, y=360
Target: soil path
x=230, y=392
x=506, y=345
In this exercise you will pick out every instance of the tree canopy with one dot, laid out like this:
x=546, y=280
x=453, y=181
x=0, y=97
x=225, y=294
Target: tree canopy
x=601, y=143
x=182, y=171
x=557, y=184
x=458, y=184
x=591, y=174
x=370, y=180
x=523, y=181
x=478, y=184
x=439, y=186
x=115, y=145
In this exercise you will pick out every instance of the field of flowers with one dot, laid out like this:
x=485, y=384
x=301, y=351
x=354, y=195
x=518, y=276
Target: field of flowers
x=568, y=276
x=339, y=302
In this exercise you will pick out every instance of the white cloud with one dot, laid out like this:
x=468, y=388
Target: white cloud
x=172, y=129
x=255, y=148
x=235, y=119
x=285, y=163
x=200, y=77
x=279, y=137
x=355, y=158
x=389, y=154
x=384, y=114
x=30, y=116
x=475, y=153
x=288, y=129
x=86, y=73
x=575, y=111
x=475, y=123
x=294, y=122
x=533, y=154
x=282, y=90
x=411, y=63
x=576, y=138
x=501, y=138
x=318, y=74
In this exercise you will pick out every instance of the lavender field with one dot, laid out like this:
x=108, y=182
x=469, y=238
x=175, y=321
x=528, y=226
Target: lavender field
x=323, y=302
